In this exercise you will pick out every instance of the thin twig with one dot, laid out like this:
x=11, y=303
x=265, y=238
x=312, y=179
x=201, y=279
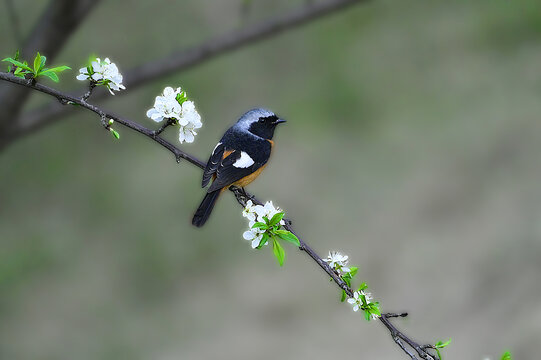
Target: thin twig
x=185, y=59
x=241, y=196
x=91, y=86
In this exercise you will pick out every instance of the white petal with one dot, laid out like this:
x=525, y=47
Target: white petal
x=356, y=308
x=82, y=77
x=255, y=243
x=189, y=137
x=97, y=76
x=168, y=92
x=183, y=121
x=248, y=235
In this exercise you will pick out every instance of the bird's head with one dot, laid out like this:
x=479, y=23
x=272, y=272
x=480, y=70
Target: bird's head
x=260, y=122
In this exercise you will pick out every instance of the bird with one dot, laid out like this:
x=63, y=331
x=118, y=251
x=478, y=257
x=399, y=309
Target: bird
x=239, y=157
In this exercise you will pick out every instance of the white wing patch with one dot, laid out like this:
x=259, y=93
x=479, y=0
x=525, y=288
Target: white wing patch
x=216, y=147
x=244, y=161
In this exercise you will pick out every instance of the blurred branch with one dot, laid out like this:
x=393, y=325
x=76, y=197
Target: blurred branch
x=54, y=27
x=182, y=60
x=409, y=346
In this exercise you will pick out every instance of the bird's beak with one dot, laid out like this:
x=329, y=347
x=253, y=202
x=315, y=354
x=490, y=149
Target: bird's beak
x=279, y=121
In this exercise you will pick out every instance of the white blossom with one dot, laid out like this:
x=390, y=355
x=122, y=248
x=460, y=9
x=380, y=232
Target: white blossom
x=356, y=301
x=249, y=211
x=189, y=115
x=367, y=296
x=254, y=235
x=338, y=261
x=104, y=73
x=166, y=105
x=268, y=210
x=256, y=213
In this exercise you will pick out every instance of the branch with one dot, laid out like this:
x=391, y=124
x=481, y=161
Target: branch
x=182, y=60
x=56, y=24
x=409, y=346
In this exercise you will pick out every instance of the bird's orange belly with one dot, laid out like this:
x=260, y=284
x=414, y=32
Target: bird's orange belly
x=248, y=179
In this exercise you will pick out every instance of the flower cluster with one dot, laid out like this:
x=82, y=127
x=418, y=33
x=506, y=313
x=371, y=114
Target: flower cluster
x=255, y=214
x=361, y=298
x=265, y=223
x=174, y=105
x=338, y=262
x=102, y=72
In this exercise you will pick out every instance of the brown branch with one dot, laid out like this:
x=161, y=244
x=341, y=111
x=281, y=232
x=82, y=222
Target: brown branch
x=182, y=60
x=53, y=29
x=404, y=342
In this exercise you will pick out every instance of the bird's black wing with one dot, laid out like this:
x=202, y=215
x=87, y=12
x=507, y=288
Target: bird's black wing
x=227, y=173
x=213, y=163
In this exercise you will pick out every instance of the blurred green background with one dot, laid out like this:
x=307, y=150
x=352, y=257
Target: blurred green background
x=413, y=145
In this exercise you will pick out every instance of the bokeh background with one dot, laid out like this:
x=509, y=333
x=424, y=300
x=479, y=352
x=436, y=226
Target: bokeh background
x=413, y=145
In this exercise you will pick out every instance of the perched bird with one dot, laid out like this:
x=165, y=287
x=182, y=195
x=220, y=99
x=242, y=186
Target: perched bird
x=238, y=158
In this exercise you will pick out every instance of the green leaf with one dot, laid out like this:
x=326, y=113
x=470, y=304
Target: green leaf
x=50, y=75
x=440, y=344
x=260, y=225
x=42, y=64
x=276, y=218
x=507, y=356
x=353, y=271
x=344, y=296
x=18, y=63
x=37, y=64
x=279, y=251
x=288, y=236
x=374, y=309
x=264, y=240
x=181, y=97
x=58, y=69
x=115, y=133
x=363, y=286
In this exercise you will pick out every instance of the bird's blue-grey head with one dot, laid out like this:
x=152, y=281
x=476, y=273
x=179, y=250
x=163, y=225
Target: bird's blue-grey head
x=260, y=122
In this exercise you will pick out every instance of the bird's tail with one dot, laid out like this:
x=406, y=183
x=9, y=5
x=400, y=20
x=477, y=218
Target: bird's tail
x=203, y=211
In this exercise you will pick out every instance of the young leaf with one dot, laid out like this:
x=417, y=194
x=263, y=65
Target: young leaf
x=288, y=236
x=276, y=218
x=440, y=344
x=37, y=64
x=507, y=356
x=51, y=75
x=279, y=251
x=264, y=240
x=344, y=296
x=260, y=225
x=18, y=63
x=58, y=69
x=363, y=286
x=115, y=133
x=353, y=271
